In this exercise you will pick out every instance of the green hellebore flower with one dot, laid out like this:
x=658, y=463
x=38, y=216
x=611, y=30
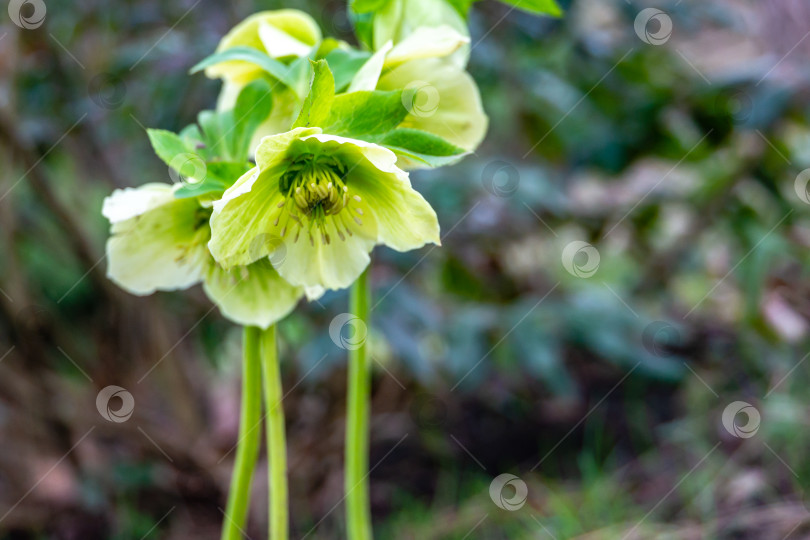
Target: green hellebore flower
x=441, y=96
x=158, y=242
x=330, y=199
x=285, y=35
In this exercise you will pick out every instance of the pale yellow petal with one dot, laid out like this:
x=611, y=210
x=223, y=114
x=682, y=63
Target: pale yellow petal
x=445, y=100
x=253, y=295
x=163, y=248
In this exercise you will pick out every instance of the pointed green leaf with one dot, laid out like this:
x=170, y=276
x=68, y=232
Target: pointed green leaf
x=421, y=146
x=215, y=126
x=219, y=176
x=542, y=7
x=368, y=112
x=167, y=145
x=254, y=56
x=344, y=64
x=318, y=103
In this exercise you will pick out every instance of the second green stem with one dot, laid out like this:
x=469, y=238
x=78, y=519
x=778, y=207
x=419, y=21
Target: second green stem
x=249, y=435
x=358, y=511
x=276, y=440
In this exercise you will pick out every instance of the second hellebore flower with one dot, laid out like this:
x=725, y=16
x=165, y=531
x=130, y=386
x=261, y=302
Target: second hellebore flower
x=329, y=200
x=158, y=242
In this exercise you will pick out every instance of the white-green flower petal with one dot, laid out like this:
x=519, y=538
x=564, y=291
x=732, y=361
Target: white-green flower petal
x=403, y=218
x=159, y=245
x=452, y=108
x=427, y=42
x=127, y=203
x=252, y=295
x=399, y=19
x=334, y=265
x=279, y=43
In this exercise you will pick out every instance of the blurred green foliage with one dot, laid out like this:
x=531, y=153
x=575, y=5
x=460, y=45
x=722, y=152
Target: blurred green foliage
x=678, y=168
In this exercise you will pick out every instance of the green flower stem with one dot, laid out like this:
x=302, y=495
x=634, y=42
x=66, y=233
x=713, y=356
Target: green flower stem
x=249, y=438
x=358, y=511
x=276, y=441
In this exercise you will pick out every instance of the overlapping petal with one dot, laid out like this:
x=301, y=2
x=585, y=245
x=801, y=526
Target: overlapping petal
x=444, y=100
x=253, y=295
x=159, y=243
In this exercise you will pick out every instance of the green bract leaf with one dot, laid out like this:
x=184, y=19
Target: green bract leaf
x=369, y=112
x=219, y=176
x=226, y=172
x=215, y=126
x=248, y=54
x=300, y=73
x=167, y=145
x=421, y=146
x=543, y=7
x=316, y=107
x=253, y=106
x=344, y=64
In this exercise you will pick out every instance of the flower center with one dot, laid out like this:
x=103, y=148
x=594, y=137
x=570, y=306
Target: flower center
x=317, y=199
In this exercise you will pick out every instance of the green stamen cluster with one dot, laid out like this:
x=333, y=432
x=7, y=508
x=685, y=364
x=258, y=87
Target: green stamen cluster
x=315, y=189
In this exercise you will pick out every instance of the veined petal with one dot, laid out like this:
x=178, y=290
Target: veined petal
x=427, y=42
x=253, y=295
x=333, y=265
x=160, y=245
x=403, y=219
x=455, y=111
x=294, y=23
x=279, y=43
